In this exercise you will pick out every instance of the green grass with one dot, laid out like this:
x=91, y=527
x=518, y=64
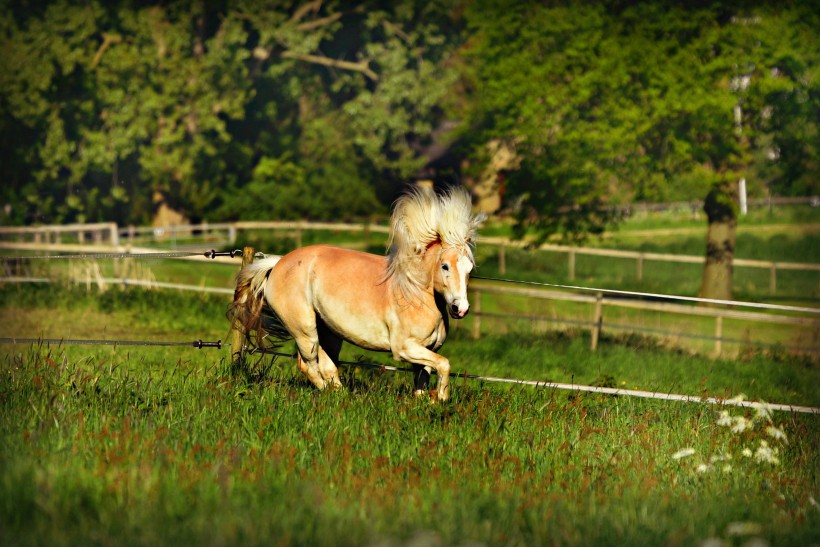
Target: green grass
x=140, y=446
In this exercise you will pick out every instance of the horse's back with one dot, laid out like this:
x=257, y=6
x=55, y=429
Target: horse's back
x=343, y=287
x=345, y=264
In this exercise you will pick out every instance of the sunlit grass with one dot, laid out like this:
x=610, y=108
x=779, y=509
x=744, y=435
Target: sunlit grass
x=137, y=446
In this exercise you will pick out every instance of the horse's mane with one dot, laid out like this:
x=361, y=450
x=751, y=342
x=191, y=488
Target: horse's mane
x=422, y=218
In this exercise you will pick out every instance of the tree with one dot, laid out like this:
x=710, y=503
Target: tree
x=611, y=102
x=105, y=105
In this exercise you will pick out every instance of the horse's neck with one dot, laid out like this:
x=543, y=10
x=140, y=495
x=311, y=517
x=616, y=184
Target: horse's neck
x=428, y=265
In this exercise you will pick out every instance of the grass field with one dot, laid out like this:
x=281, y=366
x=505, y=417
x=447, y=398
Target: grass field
x=138, y=446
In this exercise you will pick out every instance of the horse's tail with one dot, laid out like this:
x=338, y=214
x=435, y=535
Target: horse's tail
x=249, y=312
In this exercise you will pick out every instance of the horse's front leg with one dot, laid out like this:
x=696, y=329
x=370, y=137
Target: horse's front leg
x=421, y=379
x=415, y=353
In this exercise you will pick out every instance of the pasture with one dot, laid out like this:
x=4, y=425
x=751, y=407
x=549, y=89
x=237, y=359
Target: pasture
x=143, y=445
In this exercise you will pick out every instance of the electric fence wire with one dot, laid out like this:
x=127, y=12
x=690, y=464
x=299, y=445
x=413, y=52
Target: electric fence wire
x=578, y=387
x=129, y=254
x=659, y=296
x=71, y=342
x=553, y=385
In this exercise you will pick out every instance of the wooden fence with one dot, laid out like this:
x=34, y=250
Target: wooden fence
x=641, y=257
x=227, y=234
x=595, y=320
x=598, y=302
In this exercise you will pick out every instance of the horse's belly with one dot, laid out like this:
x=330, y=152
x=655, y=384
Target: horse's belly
x=365, y=332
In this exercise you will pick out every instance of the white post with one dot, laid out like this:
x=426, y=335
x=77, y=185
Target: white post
x=741, y=191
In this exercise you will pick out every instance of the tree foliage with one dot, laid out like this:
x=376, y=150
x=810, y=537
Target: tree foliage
x=613, y=102
x=105, y=105
x=323, y=109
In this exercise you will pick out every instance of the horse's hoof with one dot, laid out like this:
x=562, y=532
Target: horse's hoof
x=432, y=394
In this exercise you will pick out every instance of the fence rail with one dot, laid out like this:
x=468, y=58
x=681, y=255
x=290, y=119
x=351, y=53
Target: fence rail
x=599, y=302
x=109, y=233
x=594, y=321
x=640, y=257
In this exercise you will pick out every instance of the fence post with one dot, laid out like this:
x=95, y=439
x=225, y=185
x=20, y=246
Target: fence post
x=237, y=336
x=598, y=320
x=477, y=315
x=773, y=278
x=502, y=259
x=639, y=267
x=572, y=265
x=232, y=234
x=115, y=234
x=718, y=335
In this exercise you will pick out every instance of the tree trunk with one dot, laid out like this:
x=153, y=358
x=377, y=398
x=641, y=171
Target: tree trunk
x=721, y=211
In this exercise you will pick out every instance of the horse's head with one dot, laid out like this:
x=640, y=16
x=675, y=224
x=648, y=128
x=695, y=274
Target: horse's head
x=450, y=278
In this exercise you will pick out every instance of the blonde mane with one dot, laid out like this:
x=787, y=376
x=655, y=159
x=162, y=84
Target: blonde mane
x=420, y=219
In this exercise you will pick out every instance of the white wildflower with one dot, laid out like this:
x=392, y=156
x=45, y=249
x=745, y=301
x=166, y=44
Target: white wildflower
x=747, y=452
x=720, y=458
x=713, y=542
x=741, y=424
x=766, y=454
x=725, y=419
x=684, y=453
x=743, y=529
x=703, y=468
x=739, y=398
x=777, y=433
x=727, y=468
x=763, y=412
x=813, y=502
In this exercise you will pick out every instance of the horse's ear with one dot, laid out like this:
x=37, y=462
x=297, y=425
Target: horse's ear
x=421, y=249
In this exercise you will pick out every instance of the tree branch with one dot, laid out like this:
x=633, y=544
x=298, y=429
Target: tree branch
x=108, y=39
x=326, y=61
x=317, y=23
x=299, y=13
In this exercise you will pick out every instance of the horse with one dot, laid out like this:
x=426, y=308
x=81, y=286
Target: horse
x=321, y=296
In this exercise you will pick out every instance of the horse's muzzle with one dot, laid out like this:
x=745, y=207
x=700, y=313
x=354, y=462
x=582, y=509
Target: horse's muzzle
x=457, y=313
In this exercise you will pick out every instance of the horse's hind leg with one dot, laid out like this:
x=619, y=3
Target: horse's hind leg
x=317, y=358
x=307, y=343
x=329, y=347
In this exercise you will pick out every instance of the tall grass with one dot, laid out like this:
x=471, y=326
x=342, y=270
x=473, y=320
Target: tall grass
x=138, y=446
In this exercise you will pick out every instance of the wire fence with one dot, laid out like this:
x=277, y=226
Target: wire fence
x=657, y=395
x=534, y=290
x=595, y=324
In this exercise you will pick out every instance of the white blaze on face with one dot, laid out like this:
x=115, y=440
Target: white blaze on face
x=455, y=273
x=458, y=286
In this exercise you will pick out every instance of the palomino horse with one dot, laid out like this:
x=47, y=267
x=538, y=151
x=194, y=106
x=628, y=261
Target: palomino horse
x=321, y=295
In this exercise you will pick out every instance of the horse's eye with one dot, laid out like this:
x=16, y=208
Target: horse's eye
x=445, y=267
